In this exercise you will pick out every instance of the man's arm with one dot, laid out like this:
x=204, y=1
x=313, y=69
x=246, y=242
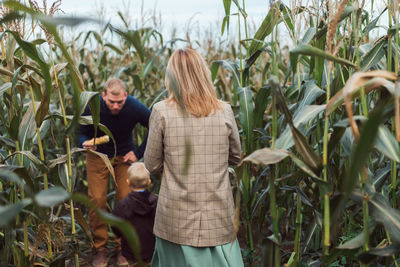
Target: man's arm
x=85, y=132
x=143, y=115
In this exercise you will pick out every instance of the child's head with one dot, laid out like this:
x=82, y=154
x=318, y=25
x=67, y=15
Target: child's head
x=138, y=176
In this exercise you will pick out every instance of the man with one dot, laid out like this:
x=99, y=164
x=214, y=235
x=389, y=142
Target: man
x=119, y=112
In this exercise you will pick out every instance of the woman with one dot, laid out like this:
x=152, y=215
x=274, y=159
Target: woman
x=192, y=138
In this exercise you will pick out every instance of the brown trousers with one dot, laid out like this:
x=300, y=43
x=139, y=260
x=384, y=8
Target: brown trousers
x=98, y=176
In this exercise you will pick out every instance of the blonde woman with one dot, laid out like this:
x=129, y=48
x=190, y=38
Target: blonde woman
x=192, y=139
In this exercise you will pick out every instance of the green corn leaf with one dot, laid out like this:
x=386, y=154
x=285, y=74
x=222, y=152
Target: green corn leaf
x=373, y=253
x=91, y=99
x=386, y=143
x=13, y=130
x=35, y=160
x=311, y=231
x=260, y=104
x=247, y=118
x=357, y=241
x=64, y=176
x=114, y=48
x=265, y=29
x=300, y=121
x=382, y=212
x=133, y=38
x=51, y=197
x=227, y=8
x=85, y=98
x=311, y=93
x=374, y=55
x=123, y=226
x=7, y=174
x=32, y=52
x=7, y=141
x=15, y=79
x=147, y=68
x=21, y=172
x=4, y=87
x=27, y=128
x=123, y=19
x=308, y=50
x=29, y=49
x=214, y=70
x=8, y=212
x=380, y=177
x=308, y=154
x=137, y=81
x=348, y=10
x=309, y=35
x=50, y=24
x=42, y=111
x=63, y=158
x=373, y=23
x=359, y=157
x=233, y=67
x=244, y=14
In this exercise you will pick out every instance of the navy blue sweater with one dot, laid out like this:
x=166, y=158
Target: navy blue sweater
x=120, y=125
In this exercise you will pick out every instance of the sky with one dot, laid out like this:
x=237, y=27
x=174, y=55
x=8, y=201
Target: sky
x=182, y=15
x=173, y=11
x=179, y=14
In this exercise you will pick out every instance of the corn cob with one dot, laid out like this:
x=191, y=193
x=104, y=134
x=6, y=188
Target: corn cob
x=99, y=140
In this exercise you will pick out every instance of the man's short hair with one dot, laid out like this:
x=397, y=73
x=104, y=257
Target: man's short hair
x=138, y=175
x=114, y=86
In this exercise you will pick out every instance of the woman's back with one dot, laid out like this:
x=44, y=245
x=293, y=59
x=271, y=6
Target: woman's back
x=196, y=205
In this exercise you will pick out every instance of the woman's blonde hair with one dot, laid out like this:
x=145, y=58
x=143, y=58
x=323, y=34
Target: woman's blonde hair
x=188, y=80
x=138, y=175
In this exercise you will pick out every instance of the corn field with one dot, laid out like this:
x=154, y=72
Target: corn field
x=319, y=120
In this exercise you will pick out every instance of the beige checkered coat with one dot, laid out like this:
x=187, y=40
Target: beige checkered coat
x=195, y=205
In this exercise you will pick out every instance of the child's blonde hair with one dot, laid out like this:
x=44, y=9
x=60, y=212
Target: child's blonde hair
x=138, y=175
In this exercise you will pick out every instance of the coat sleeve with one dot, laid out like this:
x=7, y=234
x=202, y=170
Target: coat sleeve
x=154, y=153
x=234, y=140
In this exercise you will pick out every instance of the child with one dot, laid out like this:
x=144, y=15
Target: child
x=138, y=208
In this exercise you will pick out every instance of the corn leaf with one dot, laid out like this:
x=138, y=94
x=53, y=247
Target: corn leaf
x=374, y=55
x=308, y=50
x=8, y=212
x=247, y=118
x=51, y=197
x=266, y=156
x=386, y=143
x=123, y=226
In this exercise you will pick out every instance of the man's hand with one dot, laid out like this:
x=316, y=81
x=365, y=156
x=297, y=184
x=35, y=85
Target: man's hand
x=130, y=157
x=88, y=145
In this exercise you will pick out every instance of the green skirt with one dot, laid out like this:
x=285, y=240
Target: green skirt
x=171, y=254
